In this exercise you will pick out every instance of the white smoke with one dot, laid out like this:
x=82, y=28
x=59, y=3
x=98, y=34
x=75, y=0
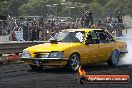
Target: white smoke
x=126, y=59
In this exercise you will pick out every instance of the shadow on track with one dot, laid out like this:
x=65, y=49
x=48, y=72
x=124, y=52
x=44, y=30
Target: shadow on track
x=89, y=69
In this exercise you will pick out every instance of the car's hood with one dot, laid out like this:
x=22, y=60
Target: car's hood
x=47, y=47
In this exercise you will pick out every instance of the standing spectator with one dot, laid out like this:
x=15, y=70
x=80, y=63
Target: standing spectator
x=82, y=21
x=120, y=20
x=40, y=33
x=88, y=19
x=34, y=33
x=25, y=31
x=52, y=31
x=85, y=18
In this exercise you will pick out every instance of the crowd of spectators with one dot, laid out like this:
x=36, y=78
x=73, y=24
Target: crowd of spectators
x=39, y=29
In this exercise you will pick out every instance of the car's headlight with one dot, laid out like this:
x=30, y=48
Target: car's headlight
x=56, y=55
x=26, y=54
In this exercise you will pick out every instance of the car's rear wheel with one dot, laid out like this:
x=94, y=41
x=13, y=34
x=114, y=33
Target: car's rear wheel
x=114, y=58
x=74, y=62
x=36, y=67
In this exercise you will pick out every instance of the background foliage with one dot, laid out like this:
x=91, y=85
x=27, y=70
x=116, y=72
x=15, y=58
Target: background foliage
x=73, y=8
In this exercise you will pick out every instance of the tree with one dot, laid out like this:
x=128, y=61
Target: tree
x=97, y=9
x=101, y=8
x=102, y=2
x=80, y=1
x=72, y=9
x=38, y=7
x=4, y=7
x=10, y=7
x=113, y=7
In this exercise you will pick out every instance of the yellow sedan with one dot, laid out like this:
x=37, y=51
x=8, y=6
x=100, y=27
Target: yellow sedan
x=75, y=47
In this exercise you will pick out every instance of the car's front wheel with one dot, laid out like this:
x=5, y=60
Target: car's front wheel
x=74, y=62
x=114, y=58
x=36, y=67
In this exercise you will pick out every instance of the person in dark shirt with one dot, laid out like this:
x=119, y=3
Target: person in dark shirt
x=88, y=19
x=120, y=25
x=120, y=20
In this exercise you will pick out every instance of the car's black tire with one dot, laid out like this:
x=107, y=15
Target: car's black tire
x=114, y=58
x=73, y=62
x=36, y=67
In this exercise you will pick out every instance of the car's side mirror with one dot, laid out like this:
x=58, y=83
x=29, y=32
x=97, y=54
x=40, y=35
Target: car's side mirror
x=53, y=41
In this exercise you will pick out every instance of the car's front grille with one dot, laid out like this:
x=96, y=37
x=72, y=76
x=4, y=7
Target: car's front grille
x=41, y=54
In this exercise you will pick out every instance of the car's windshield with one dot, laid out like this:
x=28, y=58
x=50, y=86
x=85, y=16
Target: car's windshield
x=70, y=36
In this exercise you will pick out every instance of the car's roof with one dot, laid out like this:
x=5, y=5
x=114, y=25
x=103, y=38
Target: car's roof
x=82, y=29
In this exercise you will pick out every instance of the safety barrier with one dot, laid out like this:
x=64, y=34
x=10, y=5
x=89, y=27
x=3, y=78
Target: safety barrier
x=14, y=47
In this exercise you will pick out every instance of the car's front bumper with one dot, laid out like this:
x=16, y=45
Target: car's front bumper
x=45, y=61
x=124, y=51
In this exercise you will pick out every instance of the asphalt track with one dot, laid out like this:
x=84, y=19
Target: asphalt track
x=21, y=76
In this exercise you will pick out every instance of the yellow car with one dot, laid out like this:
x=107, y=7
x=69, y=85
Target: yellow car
x=75, y=47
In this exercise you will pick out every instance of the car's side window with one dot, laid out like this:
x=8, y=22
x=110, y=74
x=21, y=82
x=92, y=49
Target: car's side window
x=109, y=37
x=91, y=38
x=71, y=38
x=102, y=36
